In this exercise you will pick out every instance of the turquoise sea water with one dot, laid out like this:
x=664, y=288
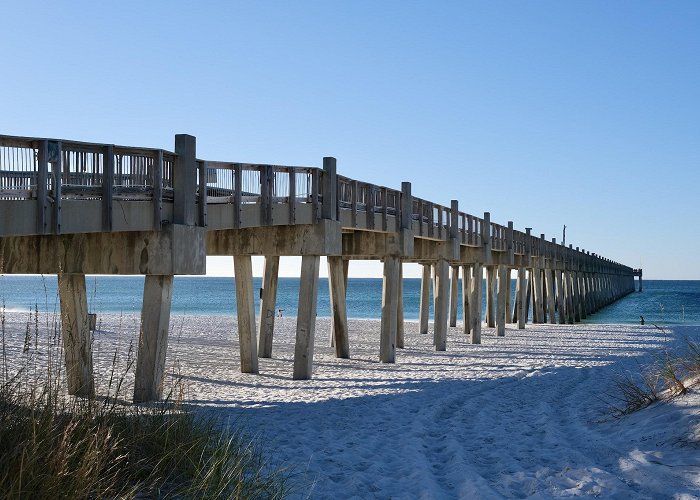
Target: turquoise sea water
x=661, y=302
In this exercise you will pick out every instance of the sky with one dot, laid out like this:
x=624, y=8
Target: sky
x=541, y=112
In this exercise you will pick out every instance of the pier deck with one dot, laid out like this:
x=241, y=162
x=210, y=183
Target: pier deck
x=73, y=208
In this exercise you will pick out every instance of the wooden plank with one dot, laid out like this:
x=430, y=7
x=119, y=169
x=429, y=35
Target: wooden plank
x=387, y=351
x=337, y=285
x=268, y=301
x=153, y=337
x=75, y=333
x=245, y=307
x=306, y=318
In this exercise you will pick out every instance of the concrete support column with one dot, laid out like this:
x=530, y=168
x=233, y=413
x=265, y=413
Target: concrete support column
x=454, y=283
x=514, y=311
x=268, y=304
x=153, y=338
x=76, y=334
x=561, y=308
x=510, y=300
x=390, y=295
x=442, y=290
x=537, y=296
x=433, y=269
x=466, y=298
x=551, y=297
x=521, y=300
x=584, y=295
x=337, y=284
x=306, y=318
x=424, y=299
x=576, y=296
x=424, y=314
x=245, y=306
x=490, y=296
x=346, y=262
x=569, y=287
x=528, y=297
x=476, y=303
x=400, y=333
x=503, y=290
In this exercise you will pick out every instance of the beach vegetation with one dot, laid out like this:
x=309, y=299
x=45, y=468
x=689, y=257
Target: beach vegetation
x=669, y=375
x=57, y=446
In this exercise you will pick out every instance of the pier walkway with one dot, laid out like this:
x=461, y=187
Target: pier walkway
x=73, y=208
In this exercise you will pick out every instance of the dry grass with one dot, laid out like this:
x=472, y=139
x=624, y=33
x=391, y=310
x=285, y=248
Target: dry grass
x=56, y=446
x=669, y=376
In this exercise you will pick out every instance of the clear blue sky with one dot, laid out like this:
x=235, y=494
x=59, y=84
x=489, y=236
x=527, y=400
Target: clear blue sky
x=544, y=113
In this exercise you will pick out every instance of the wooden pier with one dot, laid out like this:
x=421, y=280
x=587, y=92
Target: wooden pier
x=72, y=208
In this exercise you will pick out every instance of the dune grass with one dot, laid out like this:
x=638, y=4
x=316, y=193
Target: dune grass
x=56, y=446
x=670, y=375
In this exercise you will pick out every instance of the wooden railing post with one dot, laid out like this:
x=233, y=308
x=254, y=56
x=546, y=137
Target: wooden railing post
x=315, y=188
x=509, y=244
x=237, y=195
x=185, y=180
x=454, y=219
x=157, y=190
x=292, y=196
x=56, y=159
x=329, y=189
x=266, y=176
x=107, y=186
x=41, y=185
x=406, y=206
x=486, y=237
x=385, y=208
x=202, y=207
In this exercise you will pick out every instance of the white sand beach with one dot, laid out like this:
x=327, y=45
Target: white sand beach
x=520, y=416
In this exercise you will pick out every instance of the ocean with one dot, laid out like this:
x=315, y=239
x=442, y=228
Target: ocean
x=662, y=302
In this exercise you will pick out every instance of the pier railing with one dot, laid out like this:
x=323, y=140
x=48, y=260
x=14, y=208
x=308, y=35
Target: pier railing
x=51, y=171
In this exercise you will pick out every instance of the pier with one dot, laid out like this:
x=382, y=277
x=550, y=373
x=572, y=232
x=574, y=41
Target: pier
x=73, y=208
